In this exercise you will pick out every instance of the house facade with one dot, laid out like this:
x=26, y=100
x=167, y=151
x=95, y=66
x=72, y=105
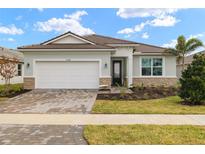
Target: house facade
x=70, y=61
x=10, y=53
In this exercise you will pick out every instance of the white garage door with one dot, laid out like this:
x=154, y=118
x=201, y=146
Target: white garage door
x=67, y=75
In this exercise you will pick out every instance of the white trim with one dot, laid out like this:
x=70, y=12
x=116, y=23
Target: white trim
x=65, y=35
x=64, y=60
x=154, y=77
x=163, y=66
x=105, y=76
x=28, y=76
x=137, y=53
x=40, y=50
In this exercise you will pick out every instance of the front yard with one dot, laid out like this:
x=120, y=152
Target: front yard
x=168, y=105
x=144, y=134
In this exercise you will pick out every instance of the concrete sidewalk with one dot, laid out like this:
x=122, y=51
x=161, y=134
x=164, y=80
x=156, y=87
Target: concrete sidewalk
x=101, y=119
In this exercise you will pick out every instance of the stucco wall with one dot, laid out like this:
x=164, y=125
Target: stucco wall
x=29, y=57
x=69, y=39
x=169, y=66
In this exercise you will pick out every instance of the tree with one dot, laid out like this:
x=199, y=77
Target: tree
x=183, y=47
x=8, y=69
x=192, y=82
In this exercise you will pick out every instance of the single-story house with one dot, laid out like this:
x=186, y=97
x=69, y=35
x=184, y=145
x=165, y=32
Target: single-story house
x=70, y=61
x=10, y=54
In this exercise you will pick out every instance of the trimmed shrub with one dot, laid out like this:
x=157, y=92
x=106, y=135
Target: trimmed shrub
x=192, y=81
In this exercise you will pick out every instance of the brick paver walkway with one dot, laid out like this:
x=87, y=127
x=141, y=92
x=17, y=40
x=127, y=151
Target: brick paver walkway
x=41, y=134
x=101, y=119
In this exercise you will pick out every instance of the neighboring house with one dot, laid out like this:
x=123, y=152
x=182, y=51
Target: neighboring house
x=187, y=60
x=10, y=53
x=71, y=61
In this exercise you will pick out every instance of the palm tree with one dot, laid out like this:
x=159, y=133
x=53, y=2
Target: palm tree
x=183, y=47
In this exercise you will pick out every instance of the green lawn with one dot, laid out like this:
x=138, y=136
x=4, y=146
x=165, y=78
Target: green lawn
x=144, y=134
x=168, y=105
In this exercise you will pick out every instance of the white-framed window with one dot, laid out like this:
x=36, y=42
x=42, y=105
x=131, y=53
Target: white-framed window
x=152, y=66
x=19, y=70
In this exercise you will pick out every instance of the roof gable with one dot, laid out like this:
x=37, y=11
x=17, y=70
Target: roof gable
x=68, y=38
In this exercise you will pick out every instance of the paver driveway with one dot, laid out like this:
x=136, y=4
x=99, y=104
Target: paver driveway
x=51, y=101
x=41, y=134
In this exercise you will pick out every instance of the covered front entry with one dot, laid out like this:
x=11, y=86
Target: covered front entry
x=67, y=74
x=118, y=72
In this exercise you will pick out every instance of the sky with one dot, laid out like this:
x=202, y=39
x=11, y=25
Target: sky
x=159, y=27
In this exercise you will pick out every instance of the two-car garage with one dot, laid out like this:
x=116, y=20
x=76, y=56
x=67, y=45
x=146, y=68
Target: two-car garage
x=67, y=74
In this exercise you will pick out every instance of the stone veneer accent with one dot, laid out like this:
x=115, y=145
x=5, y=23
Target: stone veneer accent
x=29, y=83
x=165, y=81
x=105, y=81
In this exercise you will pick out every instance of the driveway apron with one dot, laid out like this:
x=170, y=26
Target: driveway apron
x=51, y=102
x=46, y=102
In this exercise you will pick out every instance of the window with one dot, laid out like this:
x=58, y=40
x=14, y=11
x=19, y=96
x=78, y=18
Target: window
x=19, y=70
x=151, y=66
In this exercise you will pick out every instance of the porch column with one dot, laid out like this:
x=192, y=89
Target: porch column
x=129, y=70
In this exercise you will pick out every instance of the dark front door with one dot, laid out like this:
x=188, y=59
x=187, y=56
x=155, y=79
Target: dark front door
x=117, y=73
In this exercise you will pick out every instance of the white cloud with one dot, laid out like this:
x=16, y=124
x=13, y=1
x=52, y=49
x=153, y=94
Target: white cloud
x=165, y=21
x=68, y=23
x=7, y=40
x=40, y=9
x=171, y=44
x=11, y=40
x=141, y=26
x=161, y=17
x=137, y=28
x=126, y=31
x=76, y=15
x=19, y=17
x=145, y=35
x=144, y=12
x=12, y=30
x=196, y=35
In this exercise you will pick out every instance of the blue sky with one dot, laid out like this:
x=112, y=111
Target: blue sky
x=153, y=26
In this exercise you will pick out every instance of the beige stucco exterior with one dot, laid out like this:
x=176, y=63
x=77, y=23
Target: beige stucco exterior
x=32, y=57
x=129, y=55
x=131, y=65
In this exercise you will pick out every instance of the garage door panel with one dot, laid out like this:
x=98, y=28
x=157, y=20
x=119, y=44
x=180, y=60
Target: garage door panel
x=67, y=75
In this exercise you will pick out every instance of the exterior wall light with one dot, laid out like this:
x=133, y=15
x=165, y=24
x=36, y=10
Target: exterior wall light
x=28, y=65
x=105, y=65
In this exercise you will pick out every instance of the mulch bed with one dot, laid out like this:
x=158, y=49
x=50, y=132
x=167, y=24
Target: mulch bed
x=14, y=93
x=141, y=93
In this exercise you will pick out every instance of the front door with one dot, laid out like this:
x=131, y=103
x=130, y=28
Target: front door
x=117, y=73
